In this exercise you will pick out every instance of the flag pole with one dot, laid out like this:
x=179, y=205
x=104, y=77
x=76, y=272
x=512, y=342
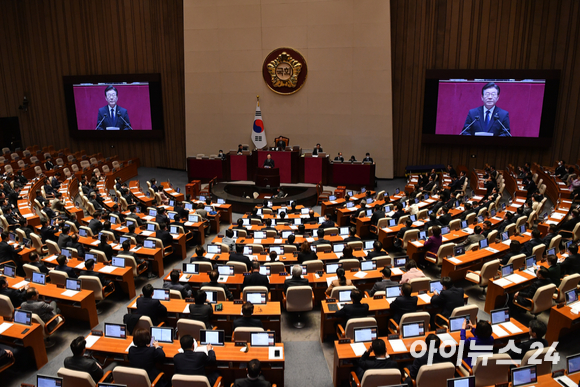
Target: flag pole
x=258, y=97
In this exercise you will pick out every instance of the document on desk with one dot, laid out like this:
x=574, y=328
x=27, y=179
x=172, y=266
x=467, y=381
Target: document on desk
x=417, y=244
x=455, y=260
x=492, y=250
x=222, y=279
x=257, y=241
x=107, y=269
x=502, y=282
x=510, y=326
x=557, y=215
x=20, y=284
x=183, y=278
x=507, y=242
x=309, y=240
x=80, y=266
x=444, y=239
x=5, y=326
x=294, y=227
x=28, y=215
x=477, y=197
x=90, y=340
x=498, y=331
x=52, y=258
x=358, y=348
x=396, y=271
x=467, y=230
x=418, y=223
x=69, y=293
x=209, y=255
x=186, y=309
x=386, y=229
x=277, y=241
x=360, y=274
x=497, y=218
x=390, y=299
x=447, y=339
x=398, y=345
x=565, y=381
x=425, y=297
x=516, y=278
x=95, y=243
x=515, y=205
x=147, y=233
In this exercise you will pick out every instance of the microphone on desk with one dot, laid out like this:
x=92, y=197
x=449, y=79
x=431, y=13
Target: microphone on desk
x=496, y=117
x=469, y=126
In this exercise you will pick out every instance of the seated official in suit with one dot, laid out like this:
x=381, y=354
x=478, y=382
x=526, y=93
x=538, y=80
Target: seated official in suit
x=537, y=331
x=255, y=278
x=339, y=157
x=7, y=251
x=238, y=256
x=174, y=284
x=571, y=265
x=354, y=310
x=449, y=299
x=317, y=149
x=62, y=266
x=42, y=309
x=164, y=235
x=145, y=356
x=542, y=279
x=381, y=360
x=254, y=377
x=147, y=306
x=36, y=263
x=194, y=363
x=515, y=248
x=535, y=241
x=296, y=279
x=79, y=362
x=340, y=281
x=327, y=222
x=351, y=235
x=382, y=285
x=133, y=215
x=431, y=356
x=201, y=311
x=320, y=240
x=474, y=238
x=554, y=272
x=377, y=251
x=368, y=158
x=16, y=296
x=199, y=255
x=488, y=118
x=306, y=253
x=89, y=266
x=213, y=281
x=405, y=303
x=411, y=272
x=246, y=320
x=269, y=162
x=113, y=115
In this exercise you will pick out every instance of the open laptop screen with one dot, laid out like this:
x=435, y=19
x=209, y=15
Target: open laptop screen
x=262, y=339
x=468, y=381
x=161, y=294
x=414, y=329
x=117, y=331
x=499, y=316
x=362, y=335
x=22, y=317
x=48, y=381
x=523, y=376
x=344, y=296
x=162, y=334
x=211, y=337
x=573, y=364
x=257, y=297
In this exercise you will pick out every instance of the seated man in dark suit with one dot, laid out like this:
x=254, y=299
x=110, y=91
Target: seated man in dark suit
x=74, y=243
x=381, y=360
x=164, y=235
x=147, y=306
x=320, y=239
x=571, y=264
x=255, y=278
x=133, y=215
x=201, y=311
x=246, y=320
x=552, y=232
x=433, y=343
x=377, y=214
x=537, y=331
x=64, y=237
x=238, y=256
x=449, y=299
x=327, y=222
x=16, y=296
x=194, y=363
x=34, y=261
x=377, y=250
x=90, y=265
x=433, y=221
x=213, y=281
x=161, y=217
x=79, y=362
x=399, y=212
x=405, y=303
x=382, y=285
x=296, y=279
x=255, y=377
x=535, y=241
x=542, y=279
x=95, y=221
x=62, y=266
x=199, y=255
x=515, y=248
x=352, y=235
x=174, y=284
x=339, y=157
x=354, y=310
x=45, y=311
x=7, y=251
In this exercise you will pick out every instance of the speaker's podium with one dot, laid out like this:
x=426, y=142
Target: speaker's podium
x=267, y=177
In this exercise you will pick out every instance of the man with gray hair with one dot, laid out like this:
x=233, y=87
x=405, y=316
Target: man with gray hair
x=296, y=279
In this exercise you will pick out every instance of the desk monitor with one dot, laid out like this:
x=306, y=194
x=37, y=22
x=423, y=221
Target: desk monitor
x=12, y=236
x=368, y=265
x=332, y=267
x=113, y=219
x=162, y=334
x=161, y=294
x=262, y=339
x=368, y=245
x=321, y=219
x=304, y=269
x=530, y=262
x=48, y=381
x=90, y=256
x=257, y=298
x=435, y=286
x=387, y=208
x=392, y=222
x=225, y=270
x=464, y=224
x=343, y=231
x=369, y=212
x=27, y=242
x=65, y=252
x=400, y=261
x=349, y=193
x=152, y=212
x=273, y=222
x=483, y=244
x=393, y=291
x=331, y=198
x=265, y=270
x=445, y=230
x=259, y=234
x=523, y=376
x=499, y=316
x=221, y=201
x=129, y=222
x=172, y=203
x=247, y=250
x=214, y=249
x=573, y=364
x=397, y=191
x=505, y=236
x=456, y=323
x=83, y=232
x=522, y=228
x=282, y=209
x=212, y=337
x=413, y=329
x=173, y=230
x=468, y=381
x=278, y=249
x=150, y=227
x=349, y=204
x=246, y=222
x=23, y=317
x=297, y=221
x=507, y=270
x=73, y=284
x=314, y=234
x=193, y=218
x=188, y=206
x=259, y=212
x=149, y=244
x=117, y=331
x=492, y=213
x=422, y=235
x=552, y=251
x=39, y=278
x=202, y=198
x=191, y=268
x=404, y=204
x=364, y=335
x=459, y=250
x=571, y=296
x=413, y=218
x=304, y=211
x=9, y=271
x=480, y=219
x=118, y=261
x=337, y=248
x=344, y=296
x=208, y=208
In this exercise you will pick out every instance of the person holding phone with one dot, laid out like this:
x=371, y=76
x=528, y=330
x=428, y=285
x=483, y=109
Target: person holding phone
x=145, y=354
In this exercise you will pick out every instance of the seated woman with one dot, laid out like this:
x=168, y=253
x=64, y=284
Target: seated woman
x=145, y=356
x=482, y=338
x=341, y=281
x=306, y=253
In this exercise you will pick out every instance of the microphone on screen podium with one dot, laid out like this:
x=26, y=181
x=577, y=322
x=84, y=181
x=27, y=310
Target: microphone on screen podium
x=126, y=123
x=496, y=117
x=100, y=122
x=469, y=126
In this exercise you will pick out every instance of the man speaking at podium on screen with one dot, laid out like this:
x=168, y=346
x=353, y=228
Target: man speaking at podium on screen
x=488, y=120
x=112, y=116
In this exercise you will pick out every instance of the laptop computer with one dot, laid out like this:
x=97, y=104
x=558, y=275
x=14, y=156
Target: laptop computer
x=257, y=297
x=445, y=230
x=551, y=251
x=259, y=234
x=173, y=230
x=129, y=222
x=39, y=278
x=499, y=316
x=152, y=212
x=459, y=250
x=162, y=334
x=221, y=201
x=191, y=268
x=116, y=331
x=505, y=236
x=73, y=284
x=331, y=198
x=212, y=337
x=149, y=244
x=66, y=252
x=188, y=206
x=507, y=270
x=343, y=231
x=573, y=364
x=161, y=294
x=413, y=329
x=571, y=296
x=524, y=376
x=468, y=381
x=392, y=222
x=23, y=317
x=193, y=218
x=150, y=227
x=83, y=232
x=48, y=381
x=483, y=244
x=456, y=323
x=9, y=271
x=368, y=265
x=337, y=248
x=422, y=235
x=366, y=334
x=400, y=262
x=118, y=262
x=265, y=270
x=263, y=339
x=393, y=291
x=278, y=249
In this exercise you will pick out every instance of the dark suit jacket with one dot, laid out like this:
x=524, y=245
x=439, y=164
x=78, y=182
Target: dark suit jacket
x=311, y=256
x=63, y=240
x=193, y=363
x=8, y=252
x=93, y=225
x=529, y=246
x=40, y=266
x=457, y=184
x=152, y=308
x=445, y=219
x=494, y=125
x=79, y=246
x=107, y=249
x=145, y=358
x=327, y=224
x=571, y=264
x=259, y=382
x=248, y=322
x=165, y=237
x=353, y=311
x=201, y=313
x=269, y=163
x=531, y=290
x=294, y=282
x=256, y=279
x=364, y=363
x=17, y=297
x=241, y=258
x=373, y=254
x=448, y=300
x=84, y=364
x=68, y=270
x=379, y=214
x=381, y=286
x=402, y=305
x=109, y=121
x=525, y=346
x=421, y=361
x=569, y=224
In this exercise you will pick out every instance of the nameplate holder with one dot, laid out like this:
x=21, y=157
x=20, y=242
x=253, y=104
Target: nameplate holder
x=190, y=300
x=394, y=336
x=497, y=276
x=502, y=385
x=422, y=292
x=283, y=274
x=378, y=297
x=354, y=269
x=320, y=272
x=220, y=235
x=241, y=343
x=441, y=330
x=560, y=305
x=329, y=300
x=96, y=333
x=238, y=302
x=247, y=274
x=557, y=373
x=263, y=253
x=344, y=341
x=333, y=235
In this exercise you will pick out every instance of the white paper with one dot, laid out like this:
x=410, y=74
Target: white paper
x=396, y=271
x=183, y=278
x=20, y=284
x=455, y=260
x=468, y=230
x=28, y=215
x=444, y=239
x=309, y=240
x=567, y=201
x=510, y=326
x=80, y=266
x=90, y=340
x=498, y=331
x=294, y=227
x=398, y=345
x=69, y=293
x=107, y=269
x=223, y=279
x=492, y=250
x=358, y=348
x=425, y=297
x=551, y=222
x=277, y=241
x=558, y=215
x=5, y=326
x=417, y=244
x=418, y=223
x=272, y=352
x=514, y=205
x=502, y=282
x=565, y=381
x=386, y=229
x=507, y=242
x=257, y=241
x=390, y=300
x=330, y=279
x=188, y=224
x=135, y=249
x=147, y=233
x=209, y=255
x=186, y=309
x=516, y=278
x=51, y=258
x=360, y=274
x=95, y=243
x=447, y=339
x=477, y=197
x=497, y=218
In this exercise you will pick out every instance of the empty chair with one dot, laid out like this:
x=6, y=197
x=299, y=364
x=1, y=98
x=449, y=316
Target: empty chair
x=239, y=267
x=492, y=374
x=418, y=284
x=58, y=321
x=383, y=261
x=482, y=277
x=313, y=266
x=93, y=283
x=58, y=277
x=409, y=236
x=134, y=377
x=517, y=261
x=243, y=333
x=348, y=331
x=298, y=299
x=444, y=251
x=190, y=327
x=6, y=307
x=275, y=267
x=193, y=381
x=555, y=243
x=29, y=269
x=377, y=378
x=356, y=245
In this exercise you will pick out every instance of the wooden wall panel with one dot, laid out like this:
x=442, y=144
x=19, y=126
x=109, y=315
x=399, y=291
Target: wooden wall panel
x=483, y=34
x=44, y=40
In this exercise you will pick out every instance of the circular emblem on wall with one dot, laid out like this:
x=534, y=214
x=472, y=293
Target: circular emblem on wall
x=284, y=71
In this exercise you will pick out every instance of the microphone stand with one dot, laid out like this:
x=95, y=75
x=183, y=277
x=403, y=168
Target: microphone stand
x=496, y=117
x=469, y=126
x=100, y=122
x=126, y=123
